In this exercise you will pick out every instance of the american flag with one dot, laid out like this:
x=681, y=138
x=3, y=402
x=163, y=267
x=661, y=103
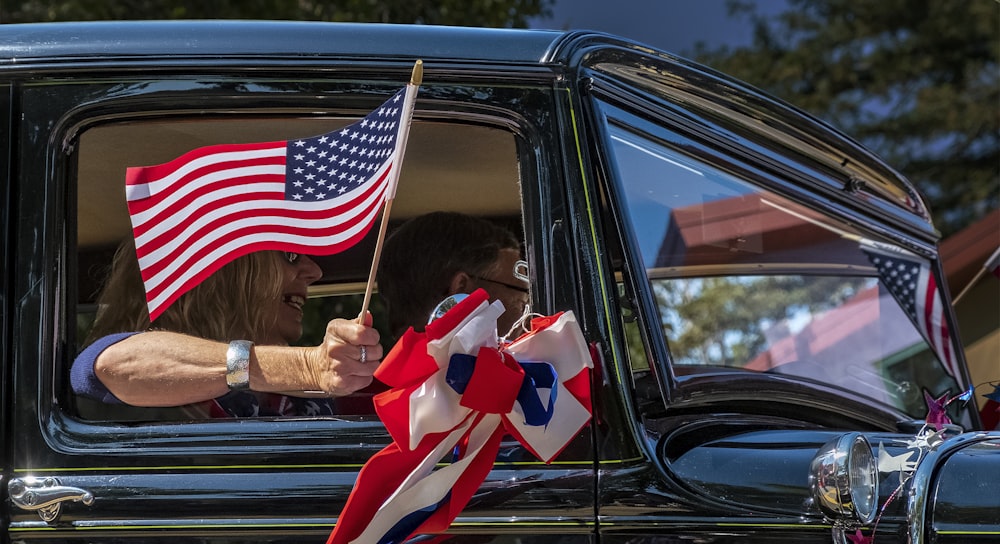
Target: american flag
x=317, y=195
x=910, y=281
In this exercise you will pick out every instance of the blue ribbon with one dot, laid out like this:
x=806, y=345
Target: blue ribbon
x=409, y=523
x=537, y=375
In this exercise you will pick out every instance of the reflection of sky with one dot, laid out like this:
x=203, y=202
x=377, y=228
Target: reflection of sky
x=656, y=183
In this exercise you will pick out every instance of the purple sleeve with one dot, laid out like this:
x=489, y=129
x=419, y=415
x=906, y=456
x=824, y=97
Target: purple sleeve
x=82, y=376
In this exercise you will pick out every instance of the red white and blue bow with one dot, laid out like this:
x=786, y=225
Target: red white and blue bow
x=455, y=393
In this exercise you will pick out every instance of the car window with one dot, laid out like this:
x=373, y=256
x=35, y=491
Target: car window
x=744, y=278
x=449, y=166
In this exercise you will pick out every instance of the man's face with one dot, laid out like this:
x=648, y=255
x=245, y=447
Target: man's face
x=502, y=285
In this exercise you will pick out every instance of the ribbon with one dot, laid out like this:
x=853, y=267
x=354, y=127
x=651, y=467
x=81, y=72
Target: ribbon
x=454, y=394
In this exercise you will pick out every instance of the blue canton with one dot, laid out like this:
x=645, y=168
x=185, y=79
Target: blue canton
x=329, y=165
x=900, y=276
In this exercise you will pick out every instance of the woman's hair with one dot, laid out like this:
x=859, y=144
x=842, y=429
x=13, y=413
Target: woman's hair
x=234, y=302
x=420, y=258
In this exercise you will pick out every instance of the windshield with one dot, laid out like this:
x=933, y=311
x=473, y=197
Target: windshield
x=743, y=278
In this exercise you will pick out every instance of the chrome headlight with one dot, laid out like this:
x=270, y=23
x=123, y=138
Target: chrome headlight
x=844, y=479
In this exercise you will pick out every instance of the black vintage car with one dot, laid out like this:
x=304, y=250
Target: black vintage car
x=760, y=374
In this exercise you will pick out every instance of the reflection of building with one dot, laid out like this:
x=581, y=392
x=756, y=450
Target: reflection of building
x=849, y=339
x=747, y=228
x=975, y=293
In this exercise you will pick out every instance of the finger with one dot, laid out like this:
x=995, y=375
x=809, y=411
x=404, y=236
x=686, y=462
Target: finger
x=373, y=353
x=352, y=333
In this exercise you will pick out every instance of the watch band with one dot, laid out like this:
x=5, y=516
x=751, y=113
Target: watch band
x=238, y=365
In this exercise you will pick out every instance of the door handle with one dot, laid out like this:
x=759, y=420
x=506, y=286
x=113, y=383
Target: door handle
x=45, y=495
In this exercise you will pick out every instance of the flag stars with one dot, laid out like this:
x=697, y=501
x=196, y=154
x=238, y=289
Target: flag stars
x=340, y=162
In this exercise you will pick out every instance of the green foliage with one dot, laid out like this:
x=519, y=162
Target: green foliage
x=319, y=311
x=917, y=81
x=480, y=13
x=725, y=320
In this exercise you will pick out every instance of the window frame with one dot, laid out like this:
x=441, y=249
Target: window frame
x=96, y=104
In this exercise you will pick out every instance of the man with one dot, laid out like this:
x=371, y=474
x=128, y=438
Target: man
x=440, y=254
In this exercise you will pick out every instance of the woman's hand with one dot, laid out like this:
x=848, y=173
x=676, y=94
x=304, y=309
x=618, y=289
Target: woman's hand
x=347, y=358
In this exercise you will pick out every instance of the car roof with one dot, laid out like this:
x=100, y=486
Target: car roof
x=41, y=42
x=29, y=50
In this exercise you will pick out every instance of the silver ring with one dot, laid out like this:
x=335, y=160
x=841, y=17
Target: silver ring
x=364, y=355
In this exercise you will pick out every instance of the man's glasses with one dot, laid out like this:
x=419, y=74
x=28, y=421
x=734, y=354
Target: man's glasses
x=520, y=272
x=505, y=284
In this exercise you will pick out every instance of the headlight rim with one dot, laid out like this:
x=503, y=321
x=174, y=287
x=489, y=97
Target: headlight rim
x=838, y=476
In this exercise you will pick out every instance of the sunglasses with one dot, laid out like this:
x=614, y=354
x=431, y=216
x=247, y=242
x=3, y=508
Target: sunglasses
x=291, y=258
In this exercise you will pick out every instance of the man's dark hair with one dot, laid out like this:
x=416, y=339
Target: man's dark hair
x=420, y=258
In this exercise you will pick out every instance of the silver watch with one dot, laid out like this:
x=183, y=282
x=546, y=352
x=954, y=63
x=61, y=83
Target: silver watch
x=238, y=365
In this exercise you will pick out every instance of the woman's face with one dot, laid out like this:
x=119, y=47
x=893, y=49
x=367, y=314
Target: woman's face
x=298, y=272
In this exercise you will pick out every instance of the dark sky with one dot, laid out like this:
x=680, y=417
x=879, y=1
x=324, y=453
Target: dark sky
x=671, y=25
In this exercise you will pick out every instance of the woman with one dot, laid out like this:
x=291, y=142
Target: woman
x=222, y=349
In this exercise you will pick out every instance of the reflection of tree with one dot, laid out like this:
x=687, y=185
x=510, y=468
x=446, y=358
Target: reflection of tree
x=725, y=320
x=914, y=80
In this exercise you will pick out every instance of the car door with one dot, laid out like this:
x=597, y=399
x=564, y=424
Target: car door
x=77, y=472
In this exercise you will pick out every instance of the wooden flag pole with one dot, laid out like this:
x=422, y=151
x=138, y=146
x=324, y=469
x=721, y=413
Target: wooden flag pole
x=416, y=78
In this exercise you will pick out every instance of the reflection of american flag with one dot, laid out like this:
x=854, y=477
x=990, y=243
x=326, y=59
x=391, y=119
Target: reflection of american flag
x=910, y=281
x=316, y=195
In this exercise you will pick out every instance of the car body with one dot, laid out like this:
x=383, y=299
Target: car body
x=712, y=241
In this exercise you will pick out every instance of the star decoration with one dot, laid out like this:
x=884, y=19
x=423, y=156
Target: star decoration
x=995, y=395
x=858, y=538
x=926, y=440
x=936, y=414
x=895, y=463
x=966, y=395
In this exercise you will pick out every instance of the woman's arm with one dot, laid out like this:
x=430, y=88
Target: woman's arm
x=159, y=368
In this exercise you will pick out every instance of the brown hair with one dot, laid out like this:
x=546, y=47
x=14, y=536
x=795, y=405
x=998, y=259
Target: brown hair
x=420, y=258
x=229, y=304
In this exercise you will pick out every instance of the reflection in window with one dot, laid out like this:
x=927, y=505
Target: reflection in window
x=744, y=278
